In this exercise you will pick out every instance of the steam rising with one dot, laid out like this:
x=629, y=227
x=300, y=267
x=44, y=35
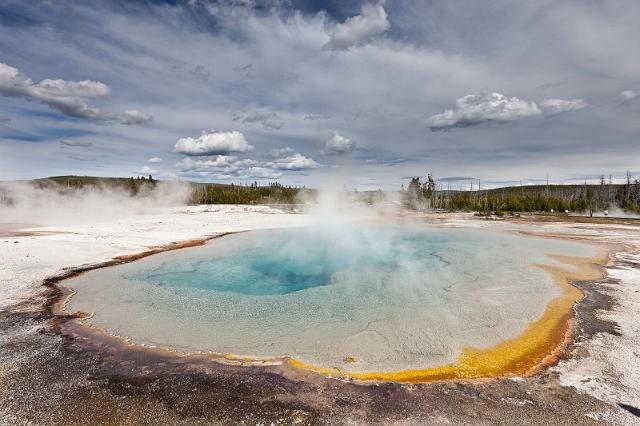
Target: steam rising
x=23, y=202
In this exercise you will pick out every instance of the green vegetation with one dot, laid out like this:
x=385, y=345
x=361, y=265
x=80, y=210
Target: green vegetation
x=533, y=198
x=419, y=195
x=133, y=186
x=201, y=193
x=274, y=193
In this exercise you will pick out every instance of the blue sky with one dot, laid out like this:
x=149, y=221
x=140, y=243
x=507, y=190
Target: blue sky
x=300, y=91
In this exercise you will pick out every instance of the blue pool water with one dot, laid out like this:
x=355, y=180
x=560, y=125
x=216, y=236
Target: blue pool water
x=289, y=261
x=390, y=297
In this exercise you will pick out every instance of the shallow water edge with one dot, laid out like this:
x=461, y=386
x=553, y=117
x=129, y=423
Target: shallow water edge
x=539, y=346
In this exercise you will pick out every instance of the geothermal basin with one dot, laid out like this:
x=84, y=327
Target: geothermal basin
x=405, y=302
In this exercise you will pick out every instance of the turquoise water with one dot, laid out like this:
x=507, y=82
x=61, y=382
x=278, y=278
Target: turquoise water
x=290, y=261
x=392, y=297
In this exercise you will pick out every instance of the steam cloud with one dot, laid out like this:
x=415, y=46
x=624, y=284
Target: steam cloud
x=23, y=202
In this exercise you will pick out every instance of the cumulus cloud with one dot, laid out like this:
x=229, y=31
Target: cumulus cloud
x=472, y=110
x=68, y=97
x=211, y=142
x=338, y=144
x=229, y=166
x=429, y=54
x=155, y=160
x=75, y=143
x=359, y=29
x=133, y=116
x=220, y=162
x=146, y=170
x=295, y=162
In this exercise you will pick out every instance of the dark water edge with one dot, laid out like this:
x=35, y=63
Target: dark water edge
x=52, y=373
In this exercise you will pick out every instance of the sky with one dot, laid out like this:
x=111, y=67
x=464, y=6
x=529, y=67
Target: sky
x=368, y=93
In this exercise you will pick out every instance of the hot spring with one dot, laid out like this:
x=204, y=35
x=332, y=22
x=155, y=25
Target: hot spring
x=384, y=302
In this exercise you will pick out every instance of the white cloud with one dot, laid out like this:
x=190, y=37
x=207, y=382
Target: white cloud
x=75, y=143
x=146, y=170
x=433, y=56
x=62, y=88
x=359, y=29
x=227, y=167
x=220, y=162
x=155, y=160
x=338, y=144
x=475, y=109
x=68, y=97
x=213, y=143
x=133, y=116
x=627, y=96
x=557, y=106
x=295, y=162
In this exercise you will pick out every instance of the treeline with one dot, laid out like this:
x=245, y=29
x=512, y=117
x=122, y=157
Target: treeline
x=419, y=195
x=200, y=193
x=534, y=198
x=274, y=193
x=62, y=184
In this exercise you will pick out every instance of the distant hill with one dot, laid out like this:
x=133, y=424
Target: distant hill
x=419, y=195
x=201, y=193
x=529, y=198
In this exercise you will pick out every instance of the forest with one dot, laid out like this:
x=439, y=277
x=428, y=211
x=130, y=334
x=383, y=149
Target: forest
x=420, y=194
x=200, y=193
x=273, y=193
x=427, y=194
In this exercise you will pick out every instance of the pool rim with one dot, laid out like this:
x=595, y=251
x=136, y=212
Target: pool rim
x=589, y=269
